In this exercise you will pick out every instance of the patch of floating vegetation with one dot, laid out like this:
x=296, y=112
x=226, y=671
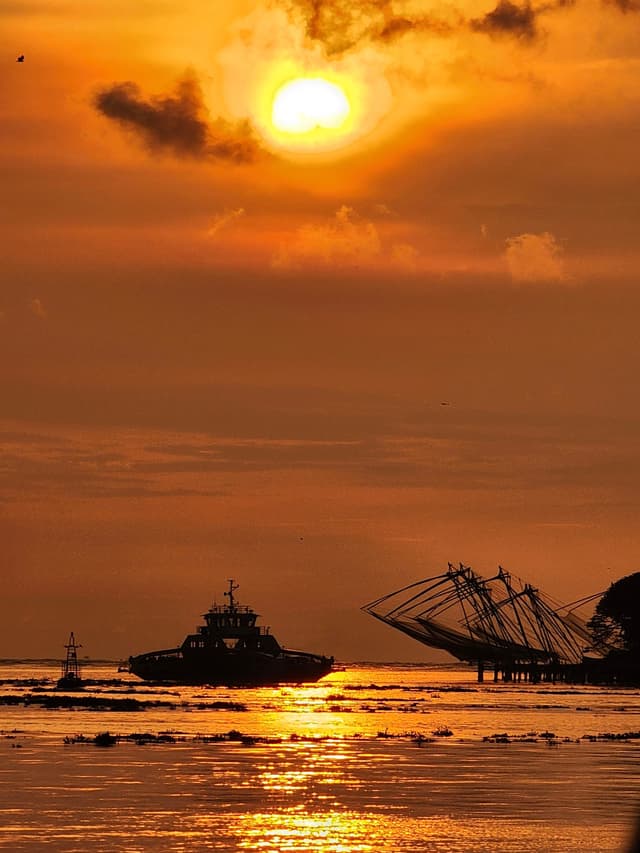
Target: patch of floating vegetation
x=232, y=736
x=442, y=731
x=104, y=739
x=529, y=737
x=626, y=736
x=414, y=737
x=54, y=701
x=553, y=740
x=420, y=739
x=44, y=683
x=107, y=739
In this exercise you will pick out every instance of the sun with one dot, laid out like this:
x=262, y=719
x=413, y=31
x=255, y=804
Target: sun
x=309, y=104
x=306, y=106
x=313, y=114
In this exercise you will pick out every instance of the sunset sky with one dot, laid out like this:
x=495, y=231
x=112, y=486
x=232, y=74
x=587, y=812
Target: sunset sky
x=325, y=362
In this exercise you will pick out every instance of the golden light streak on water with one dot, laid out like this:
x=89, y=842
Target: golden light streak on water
x=293, y=832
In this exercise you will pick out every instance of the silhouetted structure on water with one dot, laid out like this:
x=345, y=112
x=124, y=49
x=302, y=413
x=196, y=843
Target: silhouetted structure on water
x=70, y=679
x=230, y=649
x=499, y=622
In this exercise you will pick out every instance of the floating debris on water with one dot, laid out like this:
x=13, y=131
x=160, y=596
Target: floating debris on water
x=105, y=739
x=100, y=703
x=613, y=736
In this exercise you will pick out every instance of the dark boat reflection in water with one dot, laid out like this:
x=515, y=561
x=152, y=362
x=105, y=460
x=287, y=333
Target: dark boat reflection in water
x=231, y=650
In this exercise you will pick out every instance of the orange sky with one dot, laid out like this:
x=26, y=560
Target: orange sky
x=225, y=352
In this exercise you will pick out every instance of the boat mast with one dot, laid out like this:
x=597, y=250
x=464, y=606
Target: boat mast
x=232, y=588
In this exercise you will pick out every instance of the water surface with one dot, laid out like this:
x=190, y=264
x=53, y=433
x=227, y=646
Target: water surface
x=374, y=758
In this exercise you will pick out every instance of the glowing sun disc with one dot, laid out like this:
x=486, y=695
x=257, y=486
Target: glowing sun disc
x=307, y=103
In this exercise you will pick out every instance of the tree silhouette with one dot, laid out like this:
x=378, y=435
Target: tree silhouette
x=615, y=625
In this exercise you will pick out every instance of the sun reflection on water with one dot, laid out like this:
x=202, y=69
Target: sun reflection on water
x=309, y=771
x=325, y=832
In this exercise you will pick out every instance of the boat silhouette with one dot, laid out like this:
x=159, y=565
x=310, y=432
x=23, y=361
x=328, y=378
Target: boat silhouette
x=230, y=649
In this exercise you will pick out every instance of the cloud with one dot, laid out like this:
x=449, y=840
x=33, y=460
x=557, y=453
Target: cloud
x=508, y=19
x=340, y=26
x=405, y=257
x=224, y=219
x=535, y=257
x=344, y=241
x=37, y=308
x=178, y=122
x=625, y=5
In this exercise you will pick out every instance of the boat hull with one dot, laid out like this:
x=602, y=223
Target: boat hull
x=230, y=668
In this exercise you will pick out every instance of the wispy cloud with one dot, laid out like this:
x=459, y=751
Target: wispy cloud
x=129, y=463
x=535, y=257
x=346, y=240
x=222, y=220
x=340, y=26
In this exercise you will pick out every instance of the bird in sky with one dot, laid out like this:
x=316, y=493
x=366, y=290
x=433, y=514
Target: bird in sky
x=20, y=58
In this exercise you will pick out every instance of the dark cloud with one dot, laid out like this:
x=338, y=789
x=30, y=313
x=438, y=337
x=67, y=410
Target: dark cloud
x=177, y=122
x=625, y=5
x=395, y=27
x=508, y=19
x=342, y=24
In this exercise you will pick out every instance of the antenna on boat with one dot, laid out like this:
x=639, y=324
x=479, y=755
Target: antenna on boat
x=232, y=588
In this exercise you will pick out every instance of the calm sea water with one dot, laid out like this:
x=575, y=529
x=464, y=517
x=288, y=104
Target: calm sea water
x=378, y=758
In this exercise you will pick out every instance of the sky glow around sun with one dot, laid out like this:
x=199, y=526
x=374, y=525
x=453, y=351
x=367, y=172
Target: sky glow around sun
x=300, y=101
x=302, y=105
